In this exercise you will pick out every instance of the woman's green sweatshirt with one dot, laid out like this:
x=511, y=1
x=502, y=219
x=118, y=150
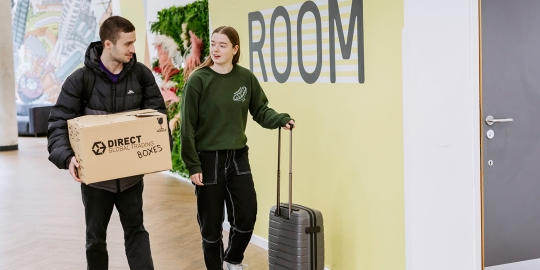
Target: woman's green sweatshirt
x=214, y=112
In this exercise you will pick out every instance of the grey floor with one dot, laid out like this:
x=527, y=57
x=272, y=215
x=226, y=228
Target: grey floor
x=524, y=265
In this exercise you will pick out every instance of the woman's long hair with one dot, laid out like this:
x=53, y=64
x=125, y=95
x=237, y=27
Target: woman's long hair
x=235, y=40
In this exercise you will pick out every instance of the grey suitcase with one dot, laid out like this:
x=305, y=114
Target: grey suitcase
x=296, y=232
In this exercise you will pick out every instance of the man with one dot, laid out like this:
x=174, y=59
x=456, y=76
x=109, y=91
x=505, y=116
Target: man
x=120, y=84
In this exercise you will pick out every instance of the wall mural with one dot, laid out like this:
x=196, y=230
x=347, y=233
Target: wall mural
x=49, y=41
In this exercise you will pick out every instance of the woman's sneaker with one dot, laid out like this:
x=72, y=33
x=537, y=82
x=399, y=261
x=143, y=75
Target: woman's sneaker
x=231, y=266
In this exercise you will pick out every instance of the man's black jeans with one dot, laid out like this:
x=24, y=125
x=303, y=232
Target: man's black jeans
x=227, y=180
x=98, y=206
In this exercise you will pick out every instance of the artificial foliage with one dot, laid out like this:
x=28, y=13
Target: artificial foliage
x=170, y=22
x=182, y=43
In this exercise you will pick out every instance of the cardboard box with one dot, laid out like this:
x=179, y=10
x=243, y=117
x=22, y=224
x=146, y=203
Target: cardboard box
x=119, y=145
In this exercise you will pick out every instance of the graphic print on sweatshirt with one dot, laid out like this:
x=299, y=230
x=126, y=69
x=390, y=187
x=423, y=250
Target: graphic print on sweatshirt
x=240, y=95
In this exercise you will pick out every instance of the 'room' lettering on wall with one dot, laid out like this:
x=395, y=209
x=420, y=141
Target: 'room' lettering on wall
x=316, y=41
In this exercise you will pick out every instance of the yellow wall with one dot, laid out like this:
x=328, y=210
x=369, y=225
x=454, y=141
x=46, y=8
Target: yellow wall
x=133, y=10
x=348, y=147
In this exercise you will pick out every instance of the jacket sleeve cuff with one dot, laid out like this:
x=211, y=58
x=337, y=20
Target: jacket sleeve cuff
x=285, y=120
x=67, y=162
x=59, y=156
x=194, y=170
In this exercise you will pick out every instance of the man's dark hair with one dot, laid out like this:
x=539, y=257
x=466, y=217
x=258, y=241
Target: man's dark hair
x=112, y=27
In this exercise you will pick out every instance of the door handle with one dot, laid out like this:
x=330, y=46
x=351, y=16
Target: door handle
x=490, y=120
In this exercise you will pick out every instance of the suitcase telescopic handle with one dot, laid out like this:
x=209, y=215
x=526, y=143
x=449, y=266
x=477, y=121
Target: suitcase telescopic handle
x=278, y=208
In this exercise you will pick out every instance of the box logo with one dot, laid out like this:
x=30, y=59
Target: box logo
x=160, y=122
x=99, y=148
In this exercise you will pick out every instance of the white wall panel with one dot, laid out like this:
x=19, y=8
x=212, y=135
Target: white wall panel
x=441, y=134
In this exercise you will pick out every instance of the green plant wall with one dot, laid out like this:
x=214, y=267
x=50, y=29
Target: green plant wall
x=169, y=23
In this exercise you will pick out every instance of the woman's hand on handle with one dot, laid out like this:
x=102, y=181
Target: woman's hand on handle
x=289, y=125
x=196, y=179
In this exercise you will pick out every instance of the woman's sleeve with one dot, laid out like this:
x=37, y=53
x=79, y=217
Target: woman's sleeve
x=190, y=116
x=262, y=114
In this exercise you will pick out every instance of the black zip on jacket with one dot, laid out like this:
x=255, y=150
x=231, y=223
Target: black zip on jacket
x=107, y=97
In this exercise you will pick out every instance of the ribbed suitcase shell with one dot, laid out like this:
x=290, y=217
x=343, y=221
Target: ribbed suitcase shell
x=289, y=246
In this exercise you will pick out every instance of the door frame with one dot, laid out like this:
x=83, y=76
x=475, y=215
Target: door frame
x=481, y=122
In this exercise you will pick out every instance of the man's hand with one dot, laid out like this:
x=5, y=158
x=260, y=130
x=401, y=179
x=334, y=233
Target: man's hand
x=288, y=125
x=72, y=169
x=197, y=179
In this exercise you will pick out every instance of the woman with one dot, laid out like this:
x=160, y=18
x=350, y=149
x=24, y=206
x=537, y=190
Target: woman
x=216, y=100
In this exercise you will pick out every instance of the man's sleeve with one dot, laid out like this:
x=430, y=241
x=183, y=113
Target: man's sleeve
x=152, y=98
x=68, y=106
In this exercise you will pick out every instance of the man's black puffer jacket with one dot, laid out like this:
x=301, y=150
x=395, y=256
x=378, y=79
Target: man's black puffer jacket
x=106, y=98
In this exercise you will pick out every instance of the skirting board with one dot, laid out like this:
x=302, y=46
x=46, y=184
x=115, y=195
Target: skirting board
x=9, y=148
x=255, y=239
